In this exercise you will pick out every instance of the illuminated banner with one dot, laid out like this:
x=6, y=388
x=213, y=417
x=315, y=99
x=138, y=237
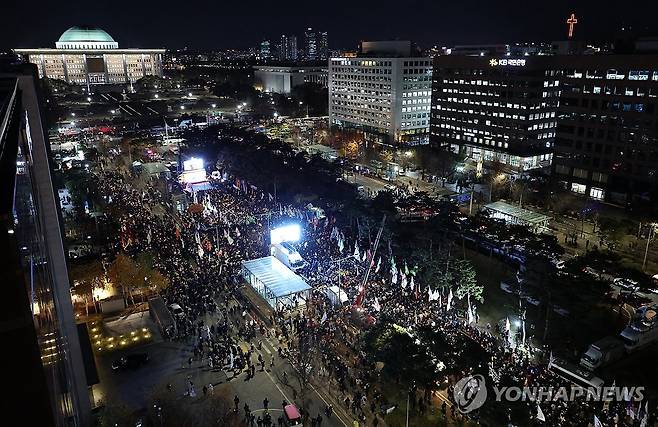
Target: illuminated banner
x=507, y=62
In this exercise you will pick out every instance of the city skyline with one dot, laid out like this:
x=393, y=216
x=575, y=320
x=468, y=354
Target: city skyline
x=222, y=27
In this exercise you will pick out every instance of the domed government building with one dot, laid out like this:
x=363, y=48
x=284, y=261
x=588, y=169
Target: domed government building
x=89, y=56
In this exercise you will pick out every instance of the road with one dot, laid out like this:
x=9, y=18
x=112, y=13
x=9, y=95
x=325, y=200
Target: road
x=168, y=365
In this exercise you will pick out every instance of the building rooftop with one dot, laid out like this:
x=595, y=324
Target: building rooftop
x=275, y=276
x=85, y=34
x=520, y=214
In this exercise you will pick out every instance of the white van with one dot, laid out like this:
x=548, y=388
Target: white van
x=288, y=255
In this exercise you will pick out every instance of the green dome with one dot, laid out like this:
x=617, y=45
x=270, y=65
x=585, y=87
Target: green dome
x=85, y=34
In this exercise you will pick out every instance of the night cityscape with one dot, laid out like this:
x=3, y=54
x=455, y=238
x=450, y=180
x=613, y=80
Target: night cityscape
x=358, y=214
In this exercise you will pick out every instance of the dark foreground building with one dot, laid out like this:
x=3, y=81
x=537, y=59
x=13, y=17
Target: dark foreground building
x=46, y=382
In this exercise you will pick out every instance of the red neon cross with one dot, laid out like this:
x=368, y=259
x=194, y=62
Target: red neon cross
x=572, y=21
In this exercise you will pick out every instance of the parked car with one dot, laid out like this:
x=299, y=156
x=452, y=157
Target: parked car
x=624, y=283
x=130, y=361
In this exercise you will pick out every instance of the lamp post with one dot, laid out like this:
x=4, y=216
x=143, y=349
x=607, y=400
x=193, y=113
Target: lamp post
x=646, y=248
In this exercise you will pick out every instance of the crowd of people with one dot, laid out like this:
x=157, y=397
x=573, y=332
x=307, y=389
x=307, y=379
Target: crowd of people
x=201, y=250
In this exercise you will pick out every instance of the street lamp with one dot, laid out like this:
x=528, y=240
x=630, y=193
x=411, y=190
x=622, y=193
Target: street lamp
x=214, y=105
x=157, y=96
x=652, y=232
x=182, y=107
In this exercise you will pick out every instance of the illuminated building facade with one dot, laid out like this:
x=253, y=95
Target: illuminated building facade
x=89, y=56
x=282, y=79
x=386, y=92
x=496, y=109
x=607, y=135
x=43, y=345
x=316, y=47
x=288, y=48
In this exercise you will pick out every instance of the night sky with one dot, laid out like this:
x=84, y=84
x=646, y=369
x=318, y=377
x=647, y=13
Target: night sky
x=222, y=24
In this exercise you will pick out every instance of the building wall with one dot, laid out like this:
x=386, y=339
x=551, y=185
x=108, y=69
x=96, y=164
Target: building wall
x=607, y=137
x=496, y=109
x=386, y=96
x=118, y=66
x=284, y=79
x=38, y=294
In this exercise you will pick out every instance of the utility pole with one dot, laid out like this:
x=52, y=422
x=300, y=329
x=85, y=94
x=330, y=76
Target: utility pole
x=470, y=204
x=372, y=256
x=646, y=249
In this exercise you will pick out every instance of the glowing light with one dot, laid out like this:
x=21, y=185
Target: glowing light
x=572, y=21
x=193, y=163
x=288, y=233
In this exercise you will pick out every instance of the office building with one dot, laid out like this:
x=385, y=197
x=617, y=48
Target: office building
x=265, y=49
x=282, y=79
x=48, y=380
x=288, y=48
x=385, y=92
x=315, y=45
x=89, y=56
x=496, y=109
x=606, y=146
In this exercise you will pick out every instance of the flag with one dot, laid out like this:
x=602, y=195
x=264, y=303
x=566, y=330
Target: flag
x=406, y=269
x=645, y=416
x=540, y=414
x=508, y=328
x=324, y=317
x=403, y=282
x=360, y=296
x=379, y=264
x=394, y=278
x=597, y=422
x=376, y=305
x=364, y=257
x=356, y=254
x=393, y=267
x=270, y=196
x=341, y=244
x=449, y=300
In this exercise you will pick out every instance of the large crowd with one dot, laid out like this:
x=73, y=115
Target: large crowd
x=201, y=249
